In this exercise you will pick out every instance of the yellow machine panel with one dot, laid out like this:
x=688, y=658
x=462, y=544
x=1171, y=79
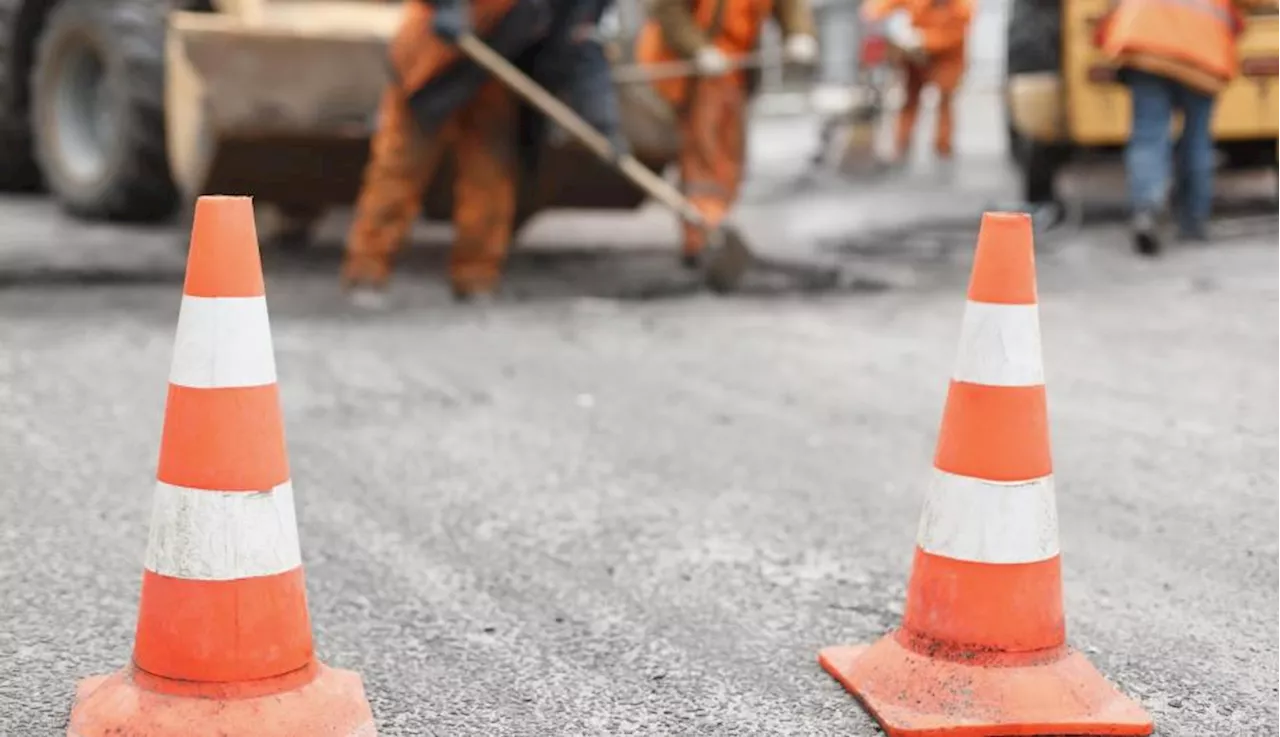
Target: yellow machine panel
x=1098, y=107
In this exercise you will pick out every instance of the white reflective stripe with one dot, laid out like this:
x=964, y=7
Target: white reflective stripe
x=1000, y=345
x=223, y=535
x=989, y=521
x=223, y=342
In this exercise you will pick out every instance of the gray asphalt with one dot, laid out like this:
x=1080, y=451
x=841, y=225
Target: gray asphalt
x=609, y=505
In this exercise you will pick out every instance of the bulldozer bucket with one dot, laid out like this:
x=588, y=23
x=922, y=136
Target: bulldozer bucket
x=280, y=104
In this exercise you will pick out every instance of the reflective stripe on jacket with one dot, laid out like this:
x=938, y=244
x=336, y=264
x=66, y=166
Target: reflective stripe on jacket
x=1191, y=41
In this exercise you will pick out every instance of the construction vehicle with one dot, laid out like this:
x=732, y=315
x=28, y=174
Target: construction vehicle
x=126, y=109
x=1064, y=103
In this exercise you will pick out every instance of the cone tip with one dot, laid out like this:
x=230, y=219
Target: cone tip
x=223, y=260
x=1004, y=269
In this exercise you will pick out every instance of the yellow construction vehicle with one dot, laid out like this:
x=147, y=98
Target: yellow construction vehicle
x=1063, y=101
x=126, y=108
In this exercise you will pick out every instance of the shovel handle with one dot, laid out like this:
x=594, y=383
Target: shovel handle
x=656, y=72
x=639, y=174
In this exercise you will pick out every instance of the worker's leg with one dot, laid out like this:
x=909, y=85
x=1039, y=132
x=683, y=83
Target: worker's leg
x=401, y=162
x=1147, y=155
x=946, y=72
x=484, y=191
x=913, y=86
x=1194, y=154
x=713, y=144
x=942, y=136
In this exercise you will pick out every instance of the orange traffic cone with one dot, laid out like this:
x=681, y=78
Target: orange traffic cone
x=224, y=637
x=982, y=647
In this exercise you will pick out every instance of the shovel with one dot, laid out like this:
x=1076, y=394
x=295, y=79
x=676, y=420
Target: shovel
x=649, y=73
x=729, y=255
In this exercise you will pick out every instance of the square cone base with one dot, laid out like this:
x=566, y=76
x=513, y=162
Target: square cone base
x=332, y=705
x=918, y=696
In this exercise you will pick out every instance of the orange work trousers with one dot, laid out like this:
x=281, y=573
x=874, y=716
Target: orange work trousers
x=482, y=135
x=943, y=71
x=712, y=150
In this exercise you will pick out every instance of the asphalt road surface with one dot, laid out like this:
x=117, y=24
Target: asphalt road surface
x=608, y=504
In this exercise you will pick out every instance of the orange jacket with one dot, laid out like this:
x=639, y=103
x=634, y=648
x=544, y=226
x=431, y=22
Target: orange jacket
x=1191, y=41
x=943, y=24
x=417, y=54
x=678, y=28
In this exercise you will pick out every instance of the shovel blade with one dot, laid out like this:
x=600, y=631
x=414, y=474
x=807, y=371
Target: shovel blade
x=729, y=262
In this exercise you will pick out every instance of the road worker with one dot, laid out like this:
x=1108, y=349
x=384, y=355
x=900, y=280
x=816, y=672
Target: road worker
x=418, y=119
x=931, y=38
x=711, y=105
x=441, y=102
x=571, y=60
x=1173, y=55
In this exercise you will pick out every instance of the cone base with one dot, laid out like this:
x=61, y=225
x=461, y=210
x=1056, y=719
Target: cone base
x=912, y=695
x=332, y=705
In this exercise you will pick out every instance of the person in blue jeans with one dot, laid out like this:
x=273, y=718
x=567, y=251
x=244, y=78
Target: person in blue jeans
x=1174, y=55
x=1150, y=151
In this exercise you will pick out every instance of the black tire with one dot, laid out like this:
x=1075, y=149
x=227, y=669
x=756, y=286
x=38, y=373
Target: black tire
x=1033, y=43
x=97, y=100
x=1033, y=37
x=18, y=170
x=1249, y=155
x=1015, y=144
x=1039, y=165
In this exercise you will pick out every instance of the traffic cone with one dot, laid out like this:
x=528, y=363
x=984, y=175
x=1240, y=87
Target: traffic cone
x=223, y=644
x=982, y=647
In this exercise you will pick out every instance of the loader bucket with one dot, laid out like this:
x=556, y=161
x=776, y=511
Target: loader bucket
x=281, y=109
x=281, y=106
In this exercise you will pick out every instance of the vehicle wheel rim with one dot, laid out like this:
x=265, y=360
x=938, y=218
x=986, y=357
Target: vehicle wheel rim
x=83, y=117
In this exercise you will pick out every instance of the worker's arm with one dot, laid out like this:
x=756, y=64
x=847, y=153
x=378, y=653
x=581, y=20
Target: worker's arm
x=679, y=29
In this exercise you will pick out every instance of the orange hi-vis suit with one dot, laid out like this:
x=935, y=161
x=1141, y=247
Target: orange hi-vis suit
x=943, y=26
x=1190, y=41
x=712, y=109
x=482, y=136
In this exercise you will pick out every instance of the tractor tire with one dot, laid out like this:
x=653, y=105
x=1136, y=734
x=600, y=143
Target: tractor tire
x=97, y=101
x=1015, y=144
x=1033, y=37
x=1033, y=43
x=1039, y=166
x=18, y=170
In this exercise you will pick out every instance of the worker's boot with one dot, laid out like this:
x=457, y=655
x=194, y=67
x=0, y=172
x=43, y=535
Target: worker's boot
x=474, y=285
x=1190, y=231
x=364, y=283
x=1195, y=235
x=368, y=298
x=1144, y=228
x=692, y=247
x=476, y=297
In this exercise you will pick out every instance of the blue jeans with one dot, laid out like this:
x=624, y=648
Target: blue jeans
x=1150, y=148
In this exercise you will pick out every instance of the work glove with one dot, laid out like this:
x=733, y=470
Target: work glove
x=904, y=35
x=451, y=19
x=710, y=61
x=801, y=49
